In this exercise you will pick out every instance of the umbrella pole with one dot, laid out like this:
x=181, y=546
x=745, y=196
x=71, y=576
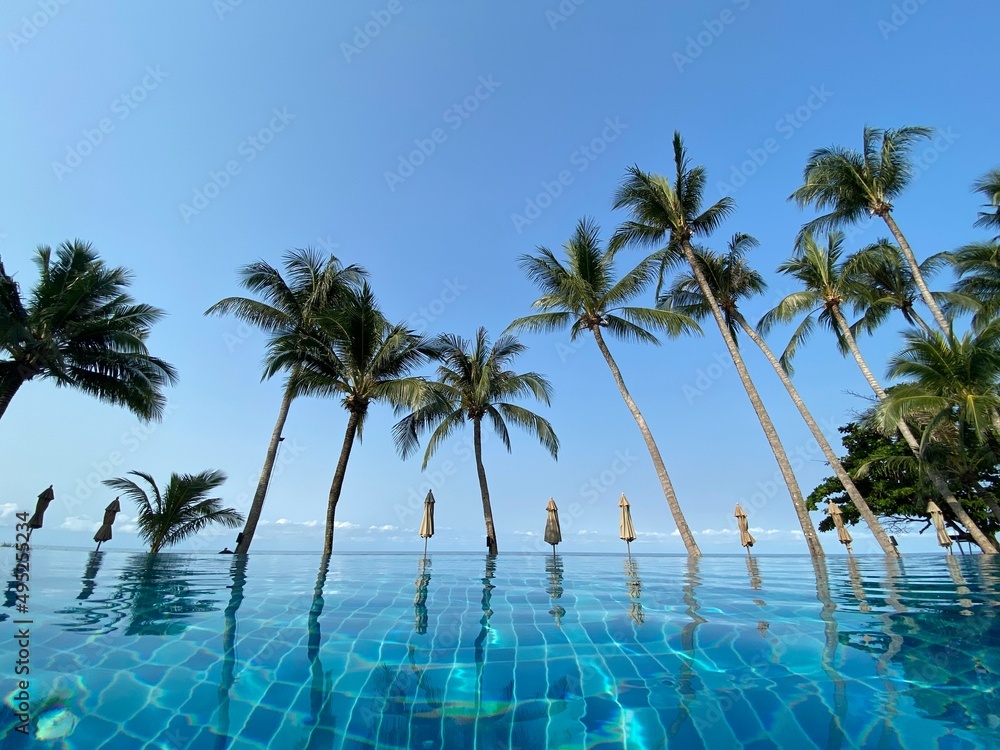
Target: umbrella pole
x=748, y=551
x=98, y=547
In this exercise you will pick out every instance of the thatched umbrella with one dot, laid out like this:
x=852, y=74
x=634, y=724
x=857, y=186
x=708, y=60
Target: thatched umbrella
x=553, y=534
x=35, y=522
x=746, y=538
x=427, y=523
x=838, y=520
x=104, y=533
x=937, y=518
x=625, y=528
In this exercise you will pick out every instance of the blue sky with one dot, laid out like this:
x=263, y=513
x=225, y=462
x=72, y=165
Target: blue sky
x=433, y=144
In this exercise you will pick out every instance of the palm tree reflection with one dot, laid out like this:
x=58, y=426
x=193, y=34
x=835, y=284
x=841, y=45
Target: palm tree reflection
x=237, y=572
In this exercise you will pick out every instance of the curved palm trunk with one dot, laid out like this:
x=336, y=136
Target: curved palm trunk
x=919, y=321
x=838, y=469
x=491, y=534
x=9, y=385
x=918, y=278
x=265, y=473
x=794, y=491
x=937, y=481
x=338, y=479
x=654, y=452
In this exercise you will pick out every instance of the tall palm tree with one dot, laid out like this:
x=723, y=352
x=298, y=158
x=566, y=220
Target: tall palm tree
x=81, y=329
x=829, y=283
x=287, y=308
x=180, y=511
x=730, y=279
x=856, y=185
x=355, y=353
x=473, y=383
x=585, y=295
x=989, y=186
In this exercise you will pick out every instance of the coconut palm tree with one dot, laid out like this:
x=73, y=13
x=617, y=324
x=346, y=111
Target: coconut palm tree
x=730, y=279
x=585, y=295
x=287, y=308
x=354, y=353
x=80, y=329
x=180, y=511
x=978, y=287
x=857, y=185
x=473, y=383
x=829, y=283
x=989, y=186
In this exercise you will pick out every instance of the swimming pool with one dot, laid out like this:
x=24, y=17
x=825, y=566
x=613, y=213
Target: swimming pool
x=521, y=651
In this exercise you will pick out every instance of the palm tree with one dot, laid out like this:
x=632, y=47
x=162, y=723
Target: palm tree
x=584, y=295
x=989, y=186
x=978, y=287
x=857, y=185
x=884, y=283
x=473, y=382
x=829, y=283
x=287, y=308
x=181, y=510
x=81, y=329
x=356, y=354
x=730, y=279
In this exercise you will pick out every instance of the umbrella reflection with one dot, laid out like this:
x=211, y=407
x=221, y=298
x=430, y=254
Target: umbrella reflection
x=94, y=560
x=420, y=598
x=754, y=572
x=237, y=572
x=634, y=591
x=554, y=569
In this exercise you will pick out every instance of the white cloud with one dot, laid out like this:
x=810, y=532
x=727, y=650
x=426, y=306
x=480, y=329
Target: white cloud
x=526, y=533
x=7, y=509
x=345, y=525
x=585, y=532
x=307, y=524
x=80, y=523
x=387, y=527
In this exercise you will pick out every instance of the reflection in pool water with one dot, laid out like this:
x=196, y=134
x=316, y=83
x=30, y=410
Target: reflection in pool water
x=401, y=651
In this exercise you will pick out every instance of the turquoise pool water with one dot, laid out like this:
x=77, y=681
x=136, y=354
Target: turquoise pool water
x=177, y=651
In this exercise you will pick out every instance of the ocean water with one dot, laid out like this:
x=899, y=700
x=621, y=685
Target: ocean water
x=175, y=651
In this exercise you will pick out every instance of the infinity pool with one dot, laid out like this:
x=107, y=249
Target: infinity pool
x=174, y=651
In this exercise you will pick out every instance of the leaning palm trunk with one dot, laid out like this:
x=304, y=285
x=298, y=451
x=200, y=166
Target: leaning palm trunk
x=937, y=481
x=265, y=473
x=338, y=479
x=794, y=491
x=838, y=469
x=491, y=534
x=8, y=387
x=654, y=452
x=918, y=277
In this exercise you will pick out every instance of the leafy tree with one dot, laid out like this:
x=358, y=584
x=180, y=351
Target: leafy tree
x=183, y=508
x=81, y=329
x=989, y=187
x=473, y=383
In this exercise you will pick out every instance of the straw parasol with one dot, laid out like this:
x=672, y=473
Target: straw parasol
x=937, y=518
x=838, y=520
x=104, y=533
x=625, y=529
x=427, y=523
x=746, y=538
x=553, y=534
x=47, y=496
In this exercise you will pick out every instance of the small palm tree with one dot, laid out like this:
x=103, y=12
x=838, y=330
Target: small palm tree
x=978, y=287
x=180, y=511
x=829, y=284
x=989, y=186
x=287, y=311
x=585, y=295
x=473, y=383
x=856, y=185
x=730, y=280
x=82, y=330
x=355, y=354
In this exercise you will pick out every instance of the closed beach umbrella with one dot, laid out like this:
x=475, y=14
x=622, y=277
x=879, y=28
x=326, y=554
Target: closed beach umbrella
x=746, y=538
x=47, y=496
x=625, y=528
x=938, y=520
x=104, y=533
x=553, y=534
x=427, y=524
x=838, y=520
